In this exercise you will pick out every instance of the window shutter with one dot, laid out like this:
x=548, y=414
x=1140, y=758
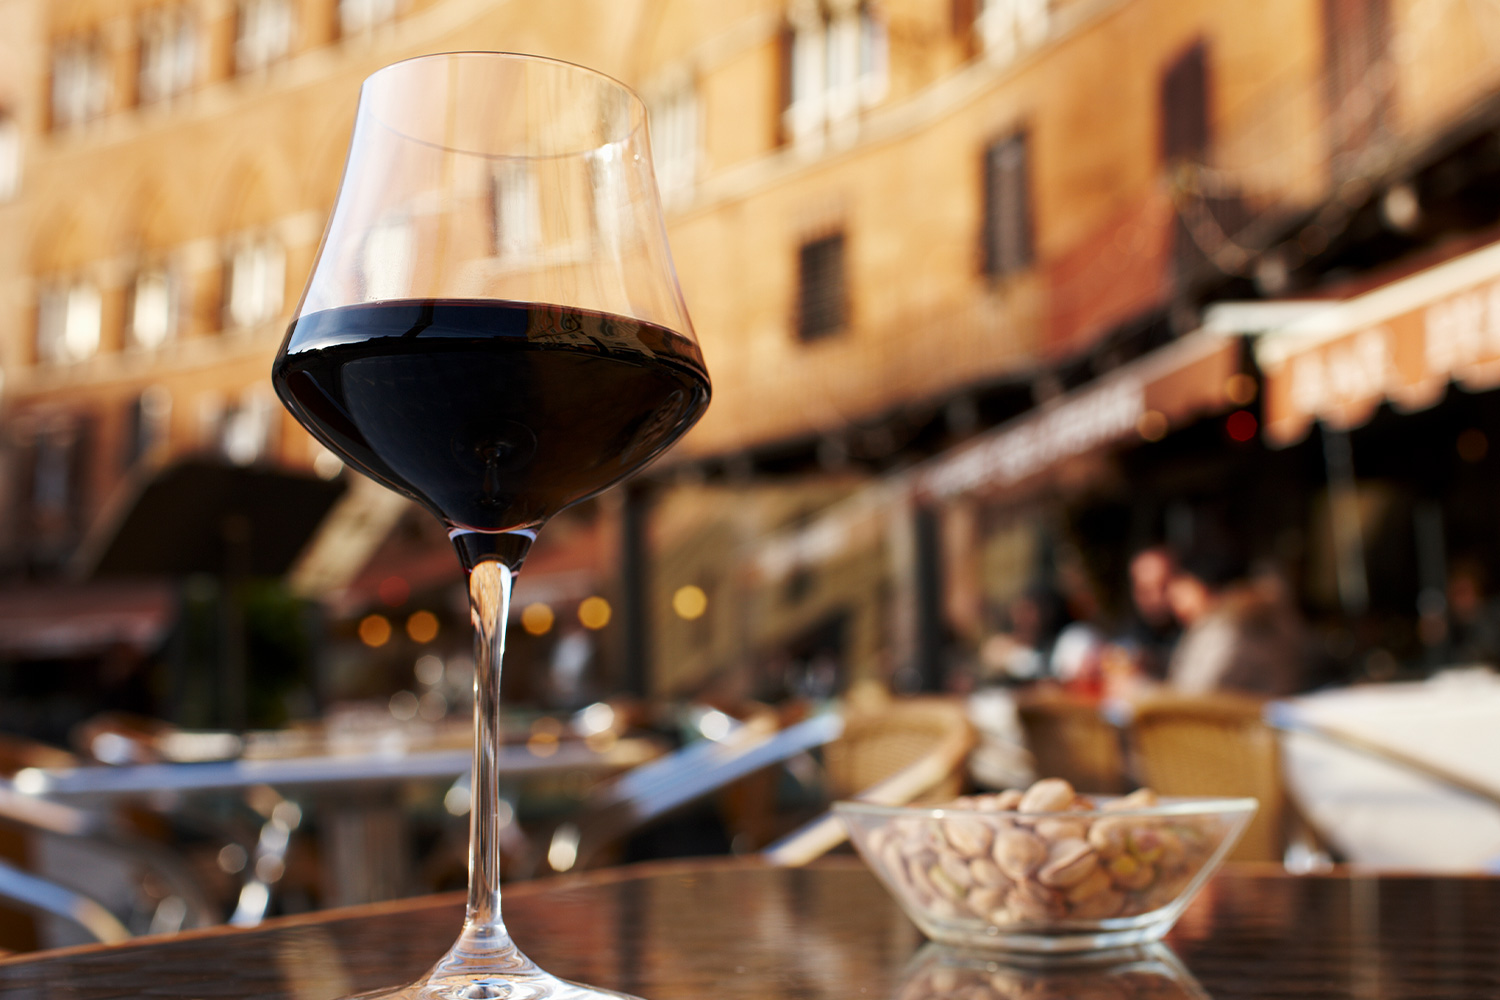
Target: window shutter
x=1356, y=37
x=1184, y=107
x=1007, y=243
x=820, y=294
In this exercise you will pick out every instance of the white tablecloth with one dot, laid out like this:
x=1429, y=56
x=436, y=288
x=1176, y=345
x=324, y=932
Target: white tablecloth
x=1381, y=815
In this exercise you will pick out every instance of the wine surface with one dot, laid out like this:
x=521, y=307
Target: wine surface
x=493, y=415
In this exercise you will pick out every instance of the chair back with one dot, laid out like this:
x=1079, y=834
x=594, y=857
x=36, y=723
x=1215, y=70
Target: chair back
x=1216, y=744
x=1069, y=737
x=904, y=751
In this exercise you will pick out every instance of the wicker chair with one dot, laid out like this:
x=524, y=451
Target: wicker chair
x=1215, y=745
x=904, y=751
x=1070, y=738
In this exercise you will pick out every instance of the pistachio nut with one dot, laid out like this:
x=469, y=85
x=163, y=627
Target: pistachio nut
x=1068, y=863
x=969, y=836
x=1047, y=795
x=1019, y=853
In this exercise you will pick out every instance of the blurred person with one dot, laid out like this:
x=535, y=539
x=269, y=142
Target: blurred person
x=1239, y=634
x=1022, y=651
x=1153, y=631
x=1473, y=633
x=1077, y=658
x=1077, y=652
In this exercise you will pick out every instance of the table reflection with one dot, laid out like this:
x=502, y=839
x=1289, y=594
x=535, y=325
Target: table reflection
x=1150, y=972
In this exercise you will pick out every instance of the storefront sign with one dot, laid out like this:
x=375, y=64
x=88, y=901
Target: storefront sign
x=1402, y=343
x=1138, y=402
x=1143, y=400
x=1076, y=427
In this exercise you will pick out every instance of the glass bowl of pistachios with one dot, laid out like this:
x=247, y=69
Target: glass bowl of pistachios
x=1046, y=869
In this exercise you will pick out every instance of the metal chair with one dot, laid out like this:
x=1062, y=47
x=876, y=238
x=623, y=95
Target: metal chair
x=651, y=791
x=184, y=903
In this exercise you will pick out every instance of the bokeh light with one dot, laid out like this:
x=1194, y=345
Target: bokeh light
x=422, y=626
x=1152, y=425
x=594, y=612
x=690, y=602
x=1241, y=425
x=537, y=619
x=375, y=631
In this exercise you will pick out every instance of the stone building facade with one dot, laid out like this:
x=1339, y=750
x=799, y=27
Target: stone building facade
x=877, y=207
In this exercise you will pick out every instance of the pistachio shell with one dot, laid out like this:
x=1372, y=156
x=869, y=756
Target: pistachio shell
x=969, y=836
x=1047, y=795
x=986, y=873
x=1019, y=853
x=1068, y=863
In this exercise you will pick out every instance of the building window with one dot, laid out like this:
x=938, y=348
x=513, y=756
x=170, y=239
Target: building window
x=517, y=212
x=1006, y=238
x=1184, y=107
x=245, y=428
x=169, y=54
x=69, y=322
x=674, y=140
x=1358, y=74
x=256, y=281
x=1008, y=29
x=262, y=34
x=52, y=477
x=153, y=312
x=356, y=16
x=388, y=260
x=10, y=157
x=149, y=424
x=837, y=65
x=822, y=303
x=80, y=82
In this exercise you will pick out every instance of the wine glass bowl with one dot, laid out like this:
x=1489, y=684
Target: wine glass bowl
x=493, y=327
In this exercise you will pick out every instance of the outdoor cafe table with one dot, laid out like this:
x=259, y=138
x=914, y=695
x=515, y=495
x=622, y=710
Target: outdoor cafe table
x=728, y=929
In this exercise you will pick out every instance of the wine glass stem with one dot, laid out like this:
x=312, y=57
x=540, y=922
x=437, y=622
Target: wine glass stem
x=490, y=583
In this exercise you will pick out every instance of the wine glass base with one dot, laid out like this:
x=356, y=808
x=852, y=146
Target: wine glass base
x=479, y=986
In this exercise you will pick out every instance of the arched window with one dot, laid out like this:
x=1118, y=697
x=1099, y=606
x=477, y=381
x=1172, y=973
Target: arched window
x=262, y=33
x=837, y=65
x=80, y=82
x=674, y=137
x=69, y=322
x=152, y=316
x=255, y=282
x=169, y=54
x=10, y=156
x=356, y=16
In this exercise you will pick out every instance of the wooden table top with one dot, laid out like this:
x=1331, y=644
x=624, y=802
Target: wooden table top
x=731, y=929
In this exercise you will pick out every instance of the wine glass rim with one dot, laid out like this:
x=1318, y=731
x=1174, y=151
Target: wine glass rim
x=630, y=93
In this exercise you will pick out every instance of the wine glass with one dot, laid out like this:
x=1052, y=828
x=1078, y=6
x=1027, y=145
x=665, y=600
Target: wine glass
x=493, y=328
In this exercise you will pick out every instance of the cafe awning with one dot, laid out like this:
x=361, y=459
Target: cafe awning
x=61, y=622
x=1402, y=343
x=1139, y=402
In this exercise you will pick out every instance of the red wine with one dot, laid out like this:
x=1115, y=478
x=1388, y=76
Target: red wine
x=493, y=415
